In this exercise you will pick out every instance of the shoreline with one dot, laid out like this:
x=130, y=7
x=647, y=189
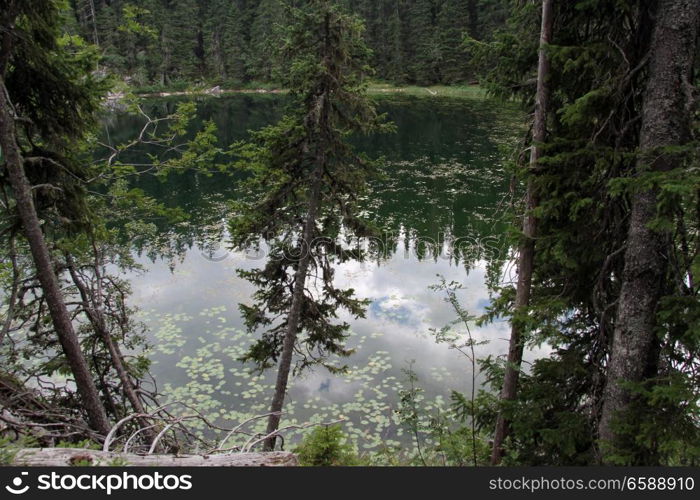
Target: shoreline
x=417, y=91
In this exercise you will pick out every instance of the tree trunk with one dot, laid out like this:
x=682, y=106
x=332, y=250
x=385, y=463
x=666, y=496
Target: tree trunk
x=45, y=272
x=665, y=122
x=65, y=457
x=526, y=251
x=95, y=314
x=294, y=316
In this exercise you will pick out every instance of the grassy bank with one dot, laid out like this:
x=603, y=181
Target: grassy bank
x=455, y=91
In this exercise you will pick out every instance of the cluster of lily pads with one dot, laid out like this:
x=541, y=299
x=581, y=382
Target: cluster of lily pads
x=195, y=360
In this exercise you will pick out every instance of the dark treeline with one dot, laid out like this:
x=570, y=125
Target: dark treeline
x=235, y=42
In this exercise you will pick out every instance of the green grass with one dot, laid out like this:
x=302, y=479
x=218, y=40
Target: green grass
x=201, y=87
x=452, y=91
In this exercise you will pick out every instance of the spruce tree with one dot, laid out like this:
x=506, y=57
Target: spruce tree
x=453, y=23
x=423, y=37
x=183, y=21
x=394, y=62
x=309, y=180
x=235, y=43
x=420, y=41
x=526, y=247
x=214, y=34
x=265, y=40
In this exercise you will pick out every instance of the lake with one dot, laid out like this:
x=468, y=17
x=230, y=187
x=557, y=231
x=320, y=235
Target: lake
x=441, y=204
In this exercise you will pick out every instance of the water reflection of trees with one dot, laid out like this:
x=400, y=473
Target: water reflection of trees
x=439, y=194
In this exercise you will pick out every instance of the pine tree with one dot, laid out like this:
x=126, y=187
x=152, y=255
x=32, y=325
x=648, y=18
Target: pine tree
x=393, y=62
x=526, y=249
x=53, y=100
x=265, y=40
x=224, y=42
x=183, y=23
x=309, y=179
x=424, y=45
x=453, y=23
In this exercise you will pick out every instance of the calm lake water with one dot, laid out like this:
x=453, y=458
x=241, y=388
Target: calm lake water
x=444, y=180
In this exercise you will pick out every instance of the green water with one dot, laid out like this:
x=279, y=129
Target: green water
x=443, y=181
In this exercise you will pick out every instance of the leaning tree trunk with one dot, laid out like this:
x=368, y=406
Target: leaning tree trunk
x=317, y=126
x=92, y=304
x=665, y=122
x=526, y=251
x=45, y=271
x=294, y=315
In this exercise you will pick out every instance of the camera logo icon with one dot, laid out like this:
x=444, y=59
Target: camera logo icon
x=17, y=488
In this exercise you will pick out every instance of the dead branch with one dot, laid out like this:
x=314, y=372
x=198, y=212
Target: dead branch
x=61, y=457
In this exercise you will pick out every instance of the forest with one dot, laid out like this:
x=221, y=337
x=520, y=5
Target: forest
x=233, y=43
x=350, y=233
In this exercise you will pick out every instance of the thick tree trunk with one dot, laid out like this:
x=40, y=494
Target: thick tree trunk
x=45, y=272
x=665, y=122
x=526, y=251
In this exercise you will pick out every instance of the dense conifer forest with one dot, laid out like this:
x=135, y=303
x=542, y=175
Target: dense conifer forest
x=232, y=43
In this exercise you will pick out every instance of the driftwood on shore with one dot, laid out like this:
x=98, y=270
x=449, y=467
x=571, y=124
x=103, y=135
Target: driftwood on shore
x=60, y=457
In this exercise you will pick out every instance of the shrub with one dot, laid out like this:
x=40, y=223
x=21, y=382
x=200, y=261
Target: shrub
x=327, y=446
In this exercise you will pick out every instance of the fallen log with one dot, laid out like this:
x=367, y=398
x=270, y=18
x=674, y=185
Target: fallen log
x=60, y=457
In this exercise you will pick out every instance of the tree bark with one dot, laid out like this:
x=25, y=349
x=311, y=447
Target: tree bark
x=665, y=122
x=49, y=283
x=317, y=127
x=294, y=316
x=63, y=457
x=526, y=251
